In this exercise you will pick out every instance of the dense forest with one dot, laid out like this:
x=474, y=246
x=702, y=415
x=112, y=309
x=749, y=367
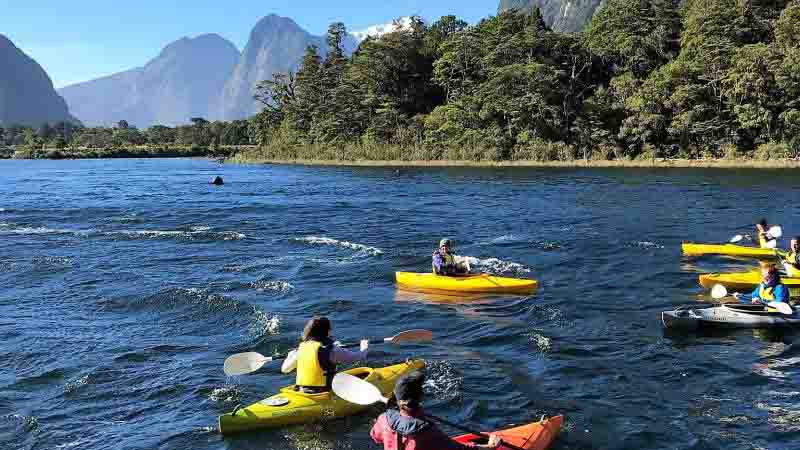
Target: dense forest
x=646, y=79
x=68, y=140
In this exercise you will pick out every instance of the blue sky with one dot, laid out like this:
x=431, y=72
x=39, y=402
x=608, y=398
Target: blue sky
x=83, y=39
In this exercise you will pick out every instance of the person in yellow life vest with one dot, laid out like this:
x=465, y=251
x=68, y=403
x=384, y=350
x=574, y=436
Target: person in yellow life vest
x=317, y=356
x=770, y=290
x=793, y=258
x=445, y=262
x=764, y=238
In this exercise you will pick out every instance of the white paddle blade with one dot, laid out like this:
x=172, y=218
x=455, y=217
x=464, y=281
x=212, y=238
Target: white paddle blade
x=355, y=390
x=772, y=244
x=719, y=291
x=783, y=308
x=411, y=336
x=244, y=363
x=737, y=238
x=775, y=232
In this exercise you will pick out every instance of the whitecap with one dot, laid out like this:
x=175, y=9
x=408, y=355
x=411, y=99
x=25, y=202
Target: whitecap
x=272, y=286
x=647, y=245
x=226, y=394
x=494, y=265
x=264, y=324
x=323, y=240
x=442, y=381
x=73, y=386
x=542, y=342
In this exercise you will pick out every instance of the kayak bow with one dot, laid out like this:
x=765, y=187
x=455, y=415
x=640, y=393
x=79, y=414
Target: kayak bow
x=695, y=249
x=534, y=436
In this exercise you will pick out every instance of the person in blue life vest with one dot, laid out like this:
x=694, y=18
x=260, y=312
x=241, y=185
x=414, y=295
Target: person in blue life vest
x=445, y=262
x=317, y=356
x=770, y=290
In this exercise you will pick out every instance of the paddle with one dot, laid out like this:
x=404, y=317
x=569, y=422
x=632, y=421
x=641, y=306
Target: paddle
x=719, y=291
x=244, y=363
x=774, y=233
x=355, y=390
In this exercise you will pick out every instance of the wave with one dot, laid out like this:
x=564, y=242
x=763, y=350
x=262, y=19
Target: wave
x=500, y=240
x=326, y=241
x=494, y=265
x=646, y=245
x=264, y=324
x=281, y=287
x=196, y=233
x=442, y=381
x=226, y=394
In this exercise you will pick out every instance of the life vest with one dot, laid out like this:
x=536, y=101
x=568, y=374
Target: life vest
x=792, y=265
x=766, y=293
x=314, y=366
x=449, y=262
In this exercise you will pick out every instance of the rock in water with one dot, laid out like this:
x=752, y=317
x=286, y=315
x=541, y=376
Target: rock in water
x=217, y=181
x=560, y=15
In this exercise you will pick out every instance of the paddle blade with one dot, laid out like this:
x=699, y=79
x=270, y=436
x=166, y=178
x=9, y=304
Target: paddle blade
x=782, y=307
x=775, y=232
x=244, y=363
x=719, y=291
x=772, y=244
x=737, y=238
x=411, y=336
x=355, y=390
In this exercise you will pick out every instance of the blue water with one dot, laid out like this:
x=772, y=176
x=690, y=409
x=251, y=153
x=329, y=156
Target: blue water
x=124, y=284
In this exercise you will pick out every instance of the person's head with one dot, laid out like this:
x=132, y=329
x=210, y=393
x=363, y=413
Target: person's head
x=317, y=329
x=795, y=245
x=408, y=391
x=770, y=274
x=446, y=245
x=763, y=223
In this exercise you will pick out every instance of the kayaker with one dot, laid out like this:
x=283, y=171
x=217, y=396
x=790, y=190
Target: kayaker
x=316, y=357
x=770, y=290
x=793, y=258
x=404, y=427
x=444, y=261
x=762, y=230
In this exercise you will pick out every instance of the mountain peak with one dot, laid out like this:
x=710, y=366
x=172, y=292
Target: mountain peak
x=560, y=15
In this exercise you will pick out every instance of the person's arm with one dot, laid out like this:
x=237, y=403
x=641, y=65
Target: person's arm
x=341, y=355
x=782, y=294
x=438, y=263
x=377, y=430
x=290, y=363
x=747, y=298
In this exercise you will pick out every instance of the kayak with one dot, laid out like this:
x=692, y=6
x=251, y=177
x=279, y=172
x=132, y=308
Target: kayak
x=694, y=249
x=728, y=316
x=471, y=284
x=290, y=407
x=745, y=281
x=534, y=436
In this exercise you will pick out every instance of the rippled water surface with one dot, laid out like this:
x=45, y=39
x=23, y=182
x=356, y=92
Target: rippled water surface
x=124, y=285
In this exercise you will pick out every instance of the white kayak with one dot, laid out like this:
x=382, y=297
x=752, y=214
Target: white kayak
x=728, y=316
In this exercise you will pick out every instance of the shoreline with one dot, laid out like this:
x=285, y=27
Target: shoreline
x=588, y=164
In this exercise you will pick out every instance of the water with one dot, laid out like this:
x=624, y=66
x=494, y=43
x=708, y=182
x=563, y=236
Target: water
x=124, y=285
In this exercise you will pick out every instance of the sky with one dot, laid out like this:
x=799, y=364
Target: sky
x=80, y=40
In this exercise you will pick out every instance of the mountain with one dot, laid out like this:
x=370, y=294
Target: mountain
x=560, y=15
x=276, y=45
x=27, y=96
x=182, y=82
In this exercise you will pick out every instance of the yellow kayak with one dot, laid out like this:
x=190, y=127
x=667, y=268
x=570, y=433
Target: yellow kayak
x=290, y=407
x=693, y=249
x=471, y=284
x=745, y=281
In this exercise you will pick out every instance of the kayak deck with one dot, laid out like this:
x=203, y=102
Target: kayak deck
x=745, y=281
x=471, y=284
x=697, y=249
x=534, y=436
x=290, y=407
x=728, y=316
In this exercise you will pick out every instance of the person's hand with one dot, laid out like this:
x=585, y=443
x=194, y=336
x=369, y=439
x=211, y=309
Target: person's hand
x=494, y=441
x=364, y=344
x=736, y=295
x=755, y=301
x=337, y=344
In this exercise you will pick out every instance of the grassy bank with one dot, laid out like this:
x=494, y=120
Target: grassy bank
x=172, y=151
x=396, y=156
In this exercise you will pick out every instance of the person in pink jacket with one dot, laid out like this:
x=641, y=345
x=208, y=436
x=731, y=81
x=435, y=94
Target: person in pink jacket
x=404, y=426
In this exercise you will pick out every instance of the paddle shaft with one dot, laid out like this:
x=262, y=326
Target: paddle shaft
x=470, y=431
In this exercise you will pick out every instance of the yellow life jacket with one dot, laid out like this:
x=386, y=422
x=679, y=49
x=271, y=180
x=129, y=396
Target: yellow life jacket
x=793, y=266
x=449, y=262
x=766, y=293
x=314, y=368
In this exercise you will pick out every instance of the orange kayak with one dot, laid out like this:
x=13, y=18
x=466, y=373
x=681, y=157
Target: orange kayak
x=534, y=436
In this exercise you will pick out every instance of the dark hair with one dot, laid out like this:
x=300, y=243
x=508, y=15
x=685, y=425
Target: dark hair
x=763, y=223
x=316, y=329
x=773, y=270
